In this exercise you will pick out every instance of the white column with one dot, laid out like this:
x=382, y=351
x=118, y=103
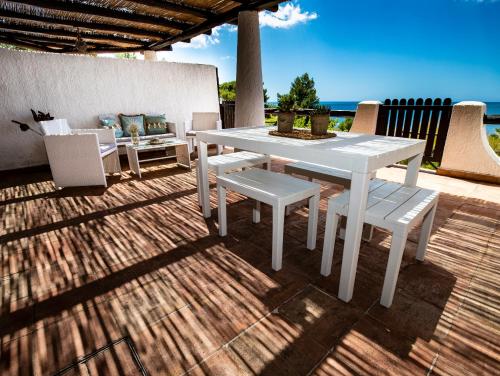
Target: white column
x=150, y=56
x=249, y=89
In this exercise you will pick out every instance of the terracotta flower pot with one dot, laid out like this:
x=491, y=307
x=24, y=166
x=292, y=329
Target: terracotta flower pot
x=285, y=121
x=319, y=124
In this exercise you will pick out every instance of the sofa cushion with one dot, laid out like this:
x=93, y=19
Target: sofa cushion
x=155, y=124
x=112, y=123
x=127, y=120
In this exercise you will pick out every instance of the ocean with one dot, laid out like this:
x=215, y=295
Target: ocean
x=492, y=108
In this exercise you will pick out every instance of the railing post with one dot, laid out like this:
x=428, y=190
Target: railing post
x=365, y=120
x=467, y=153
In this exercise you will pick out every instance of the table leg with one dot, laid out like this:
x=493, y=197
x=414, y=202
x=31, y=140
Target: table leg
x=203, y=179
x=182, y=155
x=354, y=229
x=412, y=170
x=133, y=161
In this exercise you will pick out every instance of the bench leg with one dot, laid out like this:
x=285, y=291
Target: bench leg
x=391, y=273
x=278, y=224
x=312, y=224
x=256, y=212
x=198, y=184
x=425, y=233
x=332, y=220
x=221, y=209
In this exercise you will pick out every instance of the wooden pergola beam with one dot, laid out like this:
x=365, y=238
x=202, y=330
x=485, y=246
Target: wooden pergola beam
x=176, y=7
x=216, y=21
x=93, y=10
x=97, y=26
x=40, y=38
x=68, y=33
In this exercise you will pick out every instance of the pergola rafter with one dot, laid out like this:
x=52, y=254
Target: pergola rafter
x=115, y=25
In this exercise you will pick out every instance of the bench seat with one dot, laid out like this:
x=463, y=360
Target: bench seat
x=394, y=207
x=277, y=190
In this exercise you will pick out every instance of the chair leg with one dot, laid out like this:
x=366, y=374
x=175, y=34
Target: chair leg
x=278, y=225
x=256, y=212
x=332, y=221
x=220, y=148
x=221, y=209
x=425, y=233
x=391, y=274
x=312, y=224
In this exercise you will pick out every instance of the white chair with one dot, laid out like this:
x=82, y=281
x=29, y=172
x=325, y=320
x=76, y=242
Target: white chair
x=394, y=207
x=201, y=121
x=277, y=190
x=223, y=163
x=79, y=157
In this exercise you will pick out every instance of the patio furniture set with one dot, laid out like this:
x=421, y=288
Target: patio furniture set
x=350, y=160
x=83, y=157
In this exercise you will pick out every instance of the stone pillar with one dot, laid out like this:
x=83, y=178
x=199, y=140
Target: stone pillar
x=249, y=109
x=150, y=56
x=467, y=153
x=365, y=120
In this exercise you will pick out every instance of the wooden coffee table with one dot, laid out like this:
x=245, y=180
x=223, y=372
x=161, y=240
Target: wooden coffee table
x=181, y=153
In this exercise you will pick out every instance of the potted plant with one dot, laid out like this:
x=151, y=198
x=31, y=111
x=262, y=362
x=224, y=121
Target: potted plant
x=320, y=118
x=134, y=133
x=286, y=116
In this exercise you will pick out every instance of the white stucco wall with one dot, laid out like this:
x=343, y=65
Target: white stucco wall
x=79, y=88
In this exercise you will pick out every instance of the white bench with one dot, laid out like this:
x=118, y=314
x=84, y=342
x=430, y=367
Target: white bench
x=277, y=190
x=315, y=171
x=331, y=175
x=222, y=163
x=391, y=206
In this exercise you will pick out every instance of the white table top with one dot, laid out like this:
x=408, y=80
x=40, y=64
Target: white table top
x=145, y=145
x=348, y=151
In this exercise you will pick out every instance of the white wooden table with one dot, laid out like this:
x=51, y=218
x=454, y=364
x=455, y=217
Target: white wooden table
x=362, y=154
x=181, y=153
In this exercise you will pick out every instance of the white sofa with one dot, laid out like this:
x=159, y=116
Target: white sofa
x=79, y=157
x=173, y=131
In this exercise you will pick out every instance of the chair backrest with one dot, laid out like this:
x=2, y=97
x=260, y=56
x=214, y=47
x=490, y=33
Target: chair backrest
x=426, y=120
x=204, y=121
x=55, y=127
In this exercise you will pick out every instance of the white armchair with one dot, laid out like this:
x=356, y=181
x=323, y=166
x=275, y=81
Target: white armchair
x=79, y=157
x=202, y=121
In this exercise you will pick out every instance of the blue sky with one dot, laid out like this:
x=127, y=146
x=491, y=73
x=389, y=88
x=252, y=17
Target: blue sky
x=370, y=49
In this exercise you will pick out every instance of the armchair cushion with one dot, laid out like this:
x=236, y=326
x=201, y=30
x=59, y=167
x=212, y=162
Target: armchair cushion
x=104, y=148
x=156, y=124
x=128, y=120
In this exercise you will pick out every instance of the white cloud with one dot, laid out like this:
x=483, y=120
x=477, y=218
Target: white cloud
x=287, y=16
x=204, y=41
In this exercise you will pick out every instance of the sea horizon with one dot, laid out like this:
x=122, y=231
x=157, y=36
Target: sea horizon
x=492, y=108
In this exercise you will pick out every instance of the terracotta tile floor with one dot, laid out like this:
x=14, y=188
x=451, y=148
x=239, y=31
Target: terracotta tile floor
x=84, y=267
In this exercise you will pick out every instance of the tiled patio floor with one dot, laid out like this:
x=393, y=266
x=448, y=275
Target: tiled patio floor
x=84, y=267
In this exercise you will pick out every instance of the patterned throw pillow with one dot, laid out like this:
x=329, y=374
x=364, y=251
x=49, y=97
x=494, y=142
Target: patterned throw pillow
x=128, y=120
x=112, y=124
x=156, y=124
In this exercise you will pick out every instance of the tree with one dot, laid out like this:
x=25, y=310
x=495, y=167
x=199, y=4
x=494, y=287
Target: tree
x=10, y=47
x=227, y=91
x=126, y=55
x=304, y=92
